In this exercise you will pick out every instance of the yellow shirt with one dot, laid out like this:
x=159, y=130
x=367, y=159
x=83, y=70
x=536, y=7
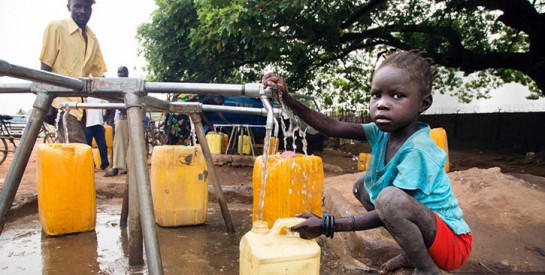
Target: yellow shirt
x=64, y=51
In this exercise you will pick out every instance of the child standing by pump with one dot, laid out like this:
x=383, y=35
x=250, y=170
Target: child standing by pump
x=405, y=188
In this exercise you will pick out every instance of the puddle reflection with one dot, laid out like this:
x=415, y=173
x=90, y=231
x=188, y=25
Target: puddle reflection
x=201, y=249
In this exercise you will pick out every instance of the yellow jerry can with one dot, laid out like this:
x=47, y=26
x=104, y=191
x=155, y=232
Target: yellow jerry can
x=215, y=142
x=98, y=161
x=293, y=185
x=109, y=135
x=66, y=188
x=244, y=145
x=363, y=161
x=273, y=145
x=439, y=135
x=179, y=185
x=277, y=251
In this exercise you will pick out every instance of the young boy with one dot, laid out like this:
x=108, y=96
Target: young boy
x=405, y=188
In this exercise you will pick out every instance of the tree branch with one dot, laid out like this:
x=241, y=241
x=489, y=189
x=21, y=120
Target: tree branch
x=360, y=12
x=518, y=14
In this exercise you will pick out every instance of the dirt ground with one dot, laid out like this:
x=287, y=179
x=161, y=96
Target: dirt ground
x=502, y=196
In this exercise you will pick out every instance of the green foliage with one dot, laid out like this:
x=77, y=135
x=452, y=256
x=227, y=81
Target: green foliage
x=330, y=48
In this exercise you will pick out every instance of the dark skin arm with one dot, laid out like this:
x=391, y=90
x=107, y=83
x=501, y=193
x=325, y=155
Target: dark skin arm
x=311, y=228
x=318, y=121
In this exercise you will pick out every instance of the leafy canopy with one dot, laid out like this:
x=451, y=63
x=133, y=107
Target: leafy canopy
x=330, y=48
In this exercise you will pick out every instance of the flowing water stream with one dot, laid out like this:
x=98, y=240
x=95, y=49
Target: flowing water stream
x=288, y=131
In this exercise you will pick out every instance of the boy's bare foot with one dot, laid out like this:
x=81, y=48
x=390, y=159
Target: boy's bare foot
x=394, y=263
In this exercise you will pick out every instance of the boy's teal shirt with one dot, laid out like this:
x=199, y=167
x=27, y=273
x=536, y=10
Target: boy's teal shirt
x=418, y=165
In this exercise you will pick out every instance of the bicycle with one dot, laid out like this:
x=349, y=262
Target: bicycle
x=5, y=134
x=48, y=131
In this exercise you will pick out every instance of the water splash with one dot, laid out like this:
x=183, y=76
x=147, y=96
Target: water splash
x=57, y=119
x=65, y=126
x=294, y=129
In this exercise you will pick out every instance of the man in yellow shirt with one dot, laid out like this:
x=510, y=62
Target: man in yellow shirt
x=70, y=48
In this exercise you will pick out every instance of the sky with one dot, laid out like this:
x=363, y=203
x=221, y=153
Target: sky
x=22, y=24
x=510, y=98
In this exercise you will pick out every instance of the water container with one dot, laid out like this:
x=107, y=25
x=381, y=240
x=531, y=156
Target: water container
x=109, y=135
x=66, y=188
x=273, y=142
x=98, y=161
x=363, y=161
x=439, y=135
x=276, y=251
x=244, y=145
x=293, y=185
x=225, y=142
x=179, y=185
x=215, y=141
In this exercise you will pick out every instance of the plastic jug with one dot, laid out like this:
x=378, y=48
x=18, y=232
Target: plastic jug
x=98, y=161
x=293, y=185
x=225, y=142
x=215, y=142
x=439, y=135
x=273, y=145
x=278, y=251
x=244, y=145
x=66, y=188
x=109, y=135
x=363, y=161
x=179, y=185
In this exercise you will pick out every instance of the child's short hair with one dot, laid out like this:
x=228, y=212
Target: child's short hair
x=418, y=67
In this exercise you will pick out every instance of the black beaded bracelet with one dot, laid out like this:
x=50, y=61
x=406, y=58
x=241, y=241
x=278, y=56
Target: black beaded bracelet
x=328, y=225
x=323, y=225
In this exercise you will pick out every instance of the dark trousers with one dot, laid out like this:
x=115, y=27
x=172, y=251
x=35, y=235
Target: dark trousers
x=97, y=131
x=75, y=127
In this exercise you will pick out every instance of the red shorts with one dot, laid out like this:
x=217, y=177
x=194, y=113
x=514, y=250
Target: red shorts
x=449, y=251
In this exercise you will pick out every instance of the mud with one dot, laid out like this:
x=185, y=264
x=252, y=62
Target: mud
x=501, y=196
x=199, y=249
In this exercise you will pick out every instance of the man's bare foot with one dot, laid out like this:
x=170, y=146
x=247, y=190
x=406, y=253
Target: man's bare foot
x=394, y=263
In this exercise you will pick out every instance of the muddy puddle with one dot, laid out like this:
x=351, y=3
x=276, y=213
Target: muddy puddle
x=202, y=249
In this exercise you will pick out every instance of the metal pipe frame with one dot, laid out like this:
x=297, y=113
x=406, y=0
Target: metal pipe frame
x=199, y=130
x=22, y=154
x=182, y=107
x=8, y=69
x=133, y=92
x=139, y=156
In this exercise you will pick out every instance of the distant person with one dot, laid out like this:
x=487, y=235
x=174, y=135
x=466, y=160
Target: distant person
x=121, y=137
x=95, y=129
x=109, y=118
x=405, y=189
x=206, y=117
x=178, y=126
x=70, y=48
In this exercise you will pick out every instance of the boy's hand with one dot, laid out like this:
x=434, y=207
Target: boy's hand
x=309, y=229
x=276, y=83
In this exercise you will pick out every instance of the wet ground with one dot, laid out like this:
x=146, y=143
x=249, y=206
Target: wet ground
x=510, y=241
x=201, y=249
